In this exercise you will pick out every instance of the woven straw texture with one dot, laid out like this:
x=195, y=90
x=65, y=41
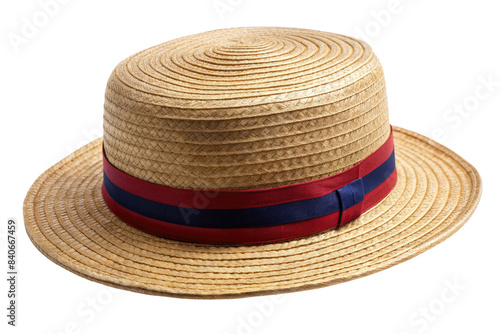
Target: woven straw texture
x=245, y=108
x=239, y=109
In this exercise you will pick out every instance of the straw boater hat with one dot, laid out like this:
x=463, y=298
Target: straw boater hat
x=247, y=161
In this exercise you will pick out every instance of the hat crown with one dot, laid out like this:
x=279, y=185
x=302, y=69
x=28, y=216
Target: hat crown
x=245, y=108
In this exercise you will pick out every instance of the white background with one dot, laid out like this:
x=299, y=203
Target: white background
x=436, y=56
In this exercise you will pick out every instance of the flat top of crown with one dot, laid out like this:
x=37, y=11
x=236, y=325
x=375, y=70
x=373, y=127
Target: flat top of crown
x=240, y=67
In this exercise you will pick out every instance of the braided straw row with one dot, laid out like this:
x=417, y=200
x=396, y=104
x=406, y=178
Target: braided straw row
x=245, y=108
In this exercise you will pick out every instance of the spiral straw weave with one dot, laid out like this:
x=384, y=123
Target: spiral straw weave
x=245, y=108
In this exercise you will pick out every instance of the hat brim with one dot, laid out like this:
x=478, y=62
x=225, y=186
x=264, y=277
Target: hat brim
x=67, y=220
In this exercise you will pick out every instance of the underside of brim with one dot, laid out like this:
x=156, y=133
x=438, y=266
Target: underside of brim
x=68, y=221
